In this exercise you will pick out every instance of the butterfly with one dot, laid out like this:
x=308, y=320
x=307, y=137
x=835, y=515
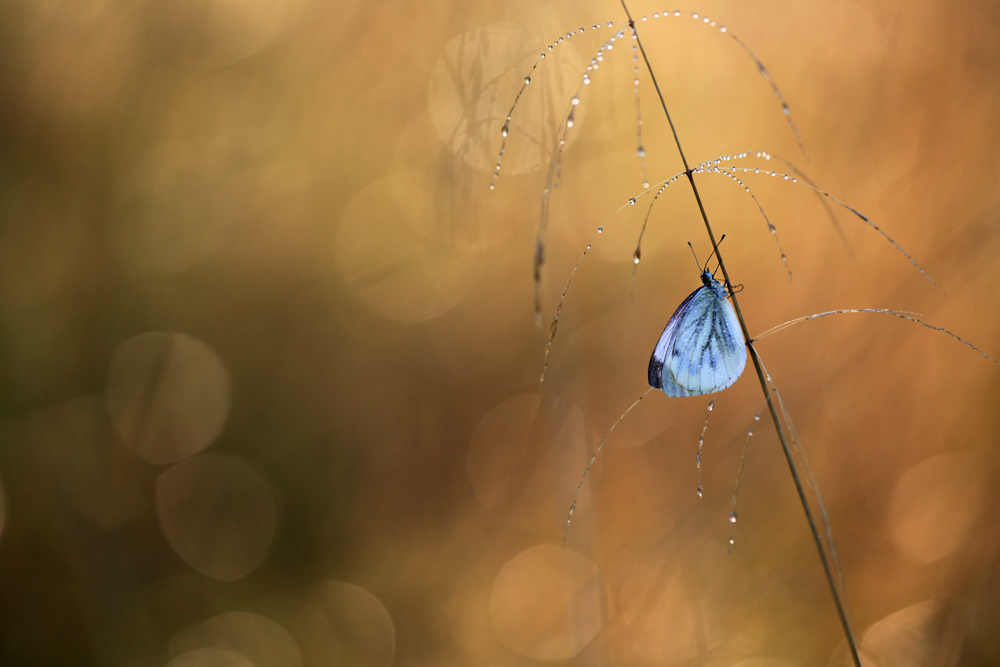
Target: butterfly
x=701, y=350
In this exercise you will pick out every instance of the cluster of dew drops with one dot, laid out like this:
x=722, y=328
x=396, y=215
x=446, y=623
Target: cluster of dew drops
x=594, y=65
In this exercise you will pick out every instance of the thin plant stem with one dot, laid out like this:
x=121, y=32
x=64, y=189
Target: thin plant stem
x=838, y=602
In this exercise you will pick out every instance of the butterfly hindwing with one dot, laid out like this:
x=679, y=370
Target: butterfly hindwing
x=701, y=350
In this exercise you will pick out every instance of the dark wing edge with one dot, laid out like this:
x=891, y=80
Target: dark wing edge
x=664, y=343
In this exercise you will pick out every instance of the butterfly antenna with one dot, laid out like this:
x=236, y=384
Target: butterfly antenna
x=695, y=256
x=714, y=250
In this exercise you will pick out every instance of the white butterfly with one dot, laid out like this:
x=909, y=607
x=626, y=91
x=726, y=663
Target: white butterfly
x=701, y=350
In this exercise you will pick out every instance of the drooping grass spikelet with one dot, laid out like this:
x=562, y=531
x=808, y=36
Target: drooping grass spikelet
x=739, y=474
x=701, y=442
x=770, y=226
x=576, y=496
x=859, y=214
x=902, y=314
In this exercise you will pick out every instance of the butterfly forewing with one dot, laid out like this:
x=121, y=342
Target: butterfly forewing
x=701, y=350
x=663, y=346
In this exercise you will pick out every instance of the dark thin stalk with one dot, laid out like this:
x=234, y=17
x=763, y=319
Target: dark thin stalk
x=841, y=610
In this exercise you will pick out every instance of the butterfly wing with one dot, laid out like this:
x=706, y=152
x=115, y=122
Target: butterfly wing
x=664, y=346
x=701, y=350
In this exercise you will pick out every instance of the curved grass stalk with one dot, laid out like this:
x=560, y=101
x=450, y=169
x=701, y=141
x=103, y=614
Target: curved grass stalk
x=770, y=226
x=901, y=314
x=859, y=214
x=576, y=496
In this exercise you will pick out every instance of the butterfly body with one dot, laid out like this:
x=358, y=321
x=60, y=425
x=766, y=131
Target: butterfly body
x=701, y=350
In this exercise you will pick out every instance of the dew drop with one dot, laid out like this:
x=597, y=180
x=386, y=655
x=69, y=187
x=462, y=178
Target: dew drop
x=600, y=230
x=700, y=491
x=527, y=79
x=575, y=100
x=722, y=29
x=641, y=152
x=631, y=201
x=701, y=441
x=784, y=108
x=493, y=186
x=588, y=246
x=732, y=517
x=749, y=432
x=732, y=541
x=645, y=185
x=711, y=405
x=504, y=130
x=756, y=417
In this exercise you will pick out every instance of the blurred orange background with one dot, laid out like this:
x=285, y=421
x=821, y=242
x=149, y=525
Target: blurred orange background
x=268, y=357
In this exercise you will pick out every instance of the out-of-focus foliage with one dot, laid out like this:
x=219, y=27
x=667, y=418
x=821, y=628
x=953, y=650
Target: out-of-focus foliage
x=268, y=360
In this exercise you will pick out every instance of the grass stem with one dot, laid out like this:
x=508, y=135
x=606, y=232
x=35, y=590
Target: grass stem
x=838, y=602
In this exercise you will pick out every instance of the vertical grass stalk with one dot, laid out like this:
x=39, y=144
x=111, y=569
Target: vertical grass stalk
x=837, y=599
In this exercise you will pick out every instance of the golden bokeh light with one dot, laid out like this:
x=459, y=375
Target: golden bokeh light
x=218, y=513
x=260, y=640
x=364, y=630
x=391, y=267
x=545, y=603
x=168, y=395
x=936, y=504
